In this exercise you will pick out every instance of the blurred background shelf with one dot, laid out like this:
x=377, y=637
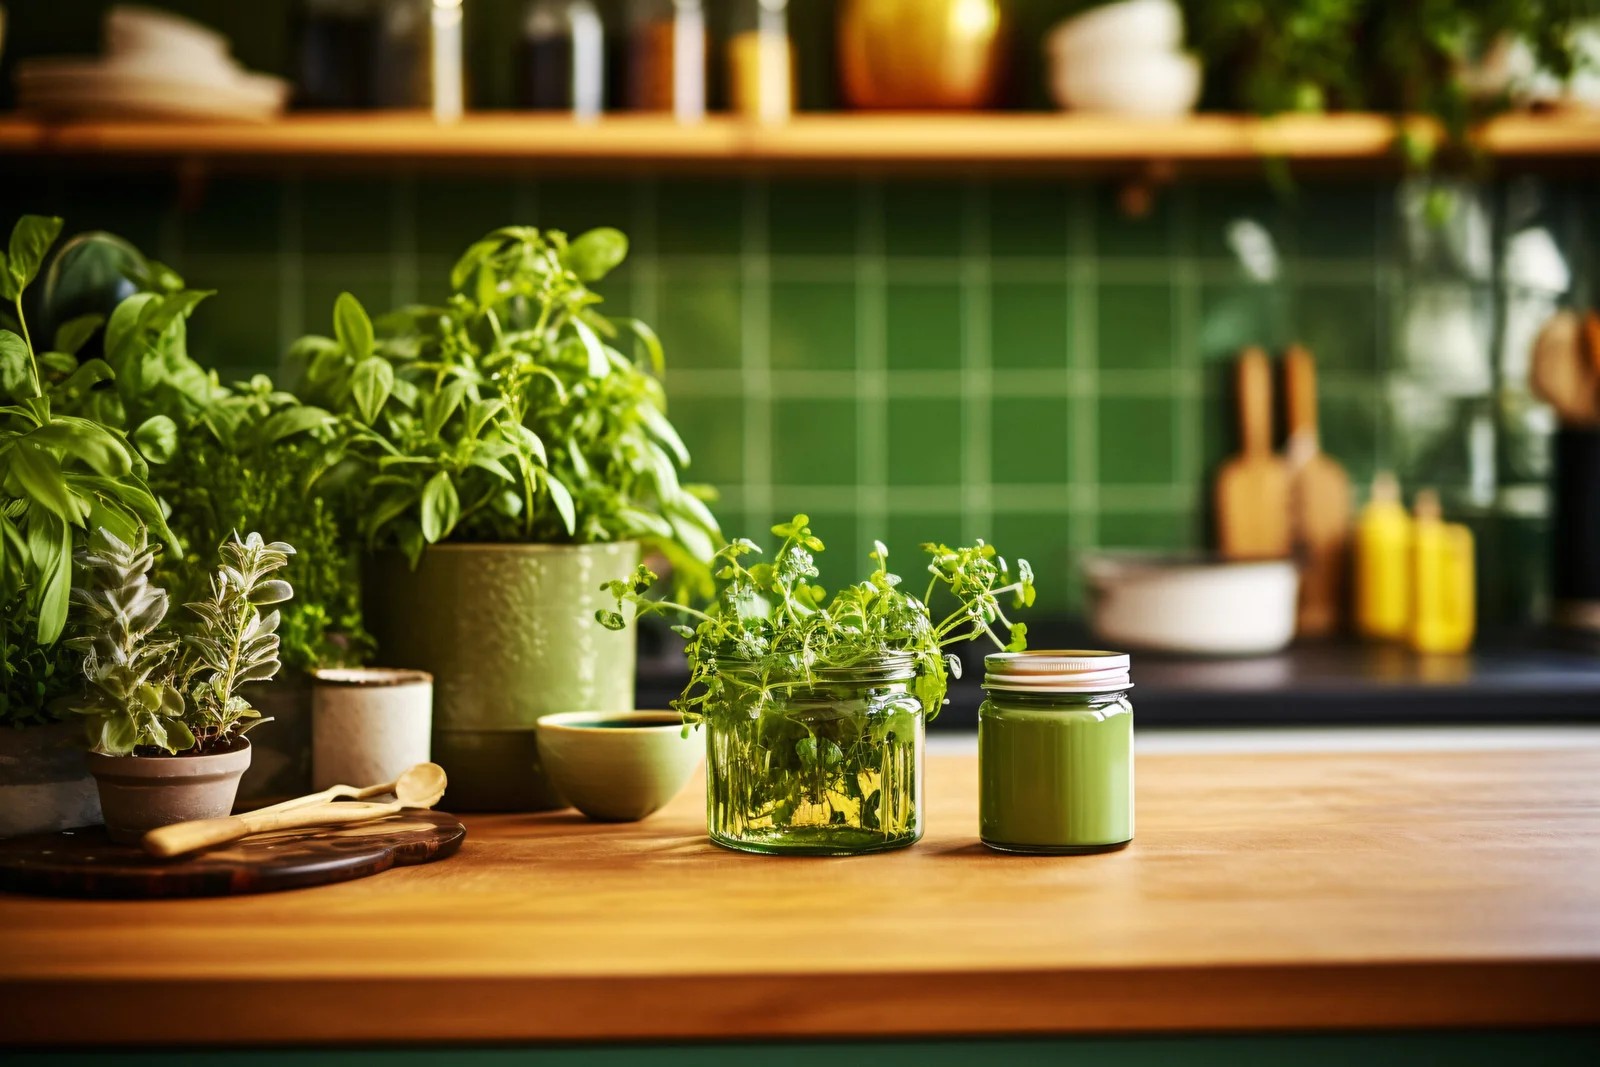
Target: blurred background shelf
x=985, y=140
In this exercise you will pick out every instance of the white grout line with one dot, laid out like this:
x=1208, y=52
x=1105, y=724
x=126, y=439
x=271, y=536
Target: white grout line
x=291, y=264
x=1084, y=311
x=870, y=381
x=755, y=329
x=403, y=277
x=977, y=511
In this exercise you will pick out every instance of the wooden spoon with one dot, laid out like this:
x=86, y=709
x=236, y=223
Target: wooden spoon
x=334, y=792
x=412, y=790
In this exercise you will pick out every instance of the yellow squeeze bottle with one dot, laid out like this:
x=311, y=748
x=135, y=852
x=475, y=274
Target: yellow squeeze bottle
x=1383, y=563
x=1444, y=613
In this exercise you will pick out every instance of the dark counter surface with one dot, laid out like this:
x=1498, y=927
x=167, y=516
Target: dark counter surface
x=1509, y=678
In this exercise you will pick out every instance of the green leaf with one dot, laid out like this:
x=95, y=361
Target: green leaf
x=75, y=333
x=371, y=383
x=561, y=497
x=290, y=421
x=441, y=507
x=599, y=362
x=15, y=372
x=31, y=238
x=38, y=474
x=89, y=442
x=157, y=438
x=123, y=325
x=475, y=254
x=593, y=255
x=352, y=327
x=50, y=546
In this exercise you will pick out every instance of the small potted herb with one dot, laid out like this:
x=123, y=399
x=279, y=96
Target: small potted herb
x=814, y=707
x=60, y=468
x=165, y=719
x=508, y=450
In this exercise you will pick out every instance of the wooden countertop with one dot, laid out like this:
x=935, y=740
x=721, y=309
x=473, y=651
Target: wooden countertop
x=1267, y=891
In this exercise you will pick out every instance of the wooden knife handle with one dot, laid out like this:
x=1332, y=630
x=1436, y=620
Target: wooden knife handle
x=1300, y=389
x=1255, y=402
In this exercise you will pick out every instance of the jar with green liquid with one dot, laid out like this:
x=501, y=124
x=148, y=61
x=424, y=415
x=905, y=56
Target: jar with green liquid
x=1055, y=752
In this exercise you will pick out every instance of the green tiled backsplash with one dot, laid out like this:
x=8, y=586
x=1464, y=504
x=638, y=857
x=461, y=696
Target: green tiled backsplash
x=909, y=360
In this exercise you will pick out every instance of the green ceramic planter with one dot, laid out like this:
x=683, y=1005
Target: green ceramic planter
x=508, y=633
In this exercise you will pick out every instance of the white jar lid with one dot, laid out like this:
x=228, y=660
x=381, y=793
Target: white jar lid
x=1058, y=670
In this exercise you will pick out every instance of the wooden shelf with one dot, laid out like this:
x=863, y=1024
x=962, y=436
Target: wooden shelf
x=997, y=140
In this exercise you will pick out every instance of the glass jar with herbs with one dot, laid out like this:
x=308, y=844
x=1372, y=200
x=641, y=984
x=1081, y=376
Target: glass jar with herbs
x=814, y=706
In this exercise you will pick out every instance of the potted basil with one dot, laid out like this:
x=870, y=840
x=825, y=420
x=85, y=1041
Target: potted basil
x=59, y=471
x=165, y=718
x=221, y=458
x=814, y=707
x=509, y=452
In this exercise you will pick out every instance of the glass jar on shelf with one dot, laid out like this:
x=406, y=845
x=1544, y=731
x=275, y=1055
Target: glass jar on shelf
x=561, y=58
x=667, y=58
x=828, y=764
x=761, y=61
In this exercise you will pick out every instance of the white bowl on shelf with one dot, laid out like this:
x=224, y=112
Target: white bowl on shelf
x=1195, y=605
x=1153, y=85
x=1125, y=28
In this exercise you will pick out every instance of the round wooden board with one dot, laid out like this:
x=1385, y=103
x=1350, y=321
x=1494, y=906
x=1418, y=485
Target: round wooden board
x=85, y=863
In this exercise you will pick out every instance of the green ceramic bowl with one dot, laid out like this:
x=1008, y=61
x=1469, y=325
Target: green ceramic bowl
x=618, y=766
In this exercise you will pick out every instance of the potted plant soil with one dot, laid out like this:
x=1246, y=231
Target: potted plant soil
x=815, y=708
x=509, y=452
x=165, y=719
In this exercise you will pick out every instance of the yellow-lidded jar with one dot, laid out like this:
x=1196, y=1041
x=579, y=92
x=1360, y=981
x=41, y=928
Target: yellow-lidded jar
x=1444, y=601
x=1383, y=564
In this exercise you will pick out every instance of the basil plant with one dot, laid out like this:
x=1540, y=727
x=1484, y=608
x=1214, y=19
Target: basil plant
x=513, y=412
x=61, y=475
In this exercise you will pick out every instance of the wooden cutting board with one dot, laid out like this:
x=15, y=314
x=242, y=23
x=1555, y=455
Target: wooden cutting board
x=1252, y=491
x=1319, y=504
x=85, y=863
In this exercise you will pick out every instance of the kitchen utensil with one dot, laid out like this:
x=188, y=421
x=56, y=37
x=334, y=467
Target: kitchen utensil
x=1142, y=85
x=1131, y=26
x=618, y=766
x=84, y=863
x=1191, y=604
x=1575, y=528
x=420, y=790
x=919, y=53
x=416, y=780
x=1563, y=374
x=368, y=723
x=1319, y=502
x=1252, y=491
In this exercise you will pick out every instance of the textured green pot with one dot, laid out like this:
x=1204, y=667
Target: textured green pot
x=508, y=633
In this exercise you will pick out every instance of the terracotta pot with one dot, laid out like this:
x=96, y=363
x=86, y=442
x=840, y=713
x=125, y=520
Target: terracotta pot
x=44, y=785
x=140, y=793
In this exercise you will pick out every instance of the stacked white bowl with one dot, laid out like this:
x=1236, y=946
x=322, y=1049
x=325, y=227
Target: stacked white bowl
x=1124, y=58
x=156, y=66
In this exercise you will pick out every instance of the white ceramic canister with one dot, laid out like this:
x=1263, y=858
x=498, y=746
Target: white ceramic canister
x=368, y=724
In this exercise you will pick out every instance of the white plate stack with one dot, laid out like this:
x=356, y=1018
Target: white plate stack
x=1124, y=59
x=156, y=66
